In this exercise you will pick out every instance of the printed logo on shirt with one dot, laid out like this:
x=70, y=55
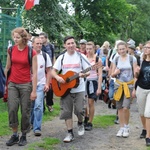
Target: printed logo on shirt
x=41, y=66
x=71, y=66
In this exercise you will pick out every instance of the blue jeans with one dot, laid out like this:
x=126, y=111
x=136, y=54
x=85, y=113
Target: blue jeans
x=111, y=89
x=37, y=108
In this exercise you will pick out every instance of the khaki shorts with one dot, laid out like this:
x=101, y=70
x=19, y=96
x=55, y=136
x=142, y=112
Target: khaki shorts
x=73, y=101
x=143, y=101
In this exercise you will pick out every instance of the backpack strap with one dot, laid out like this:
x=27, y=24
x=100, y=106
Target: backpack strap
x=10, y=52
x=45, y=58
x=61, y=62
x=81, y=57
x=116, y=61
x=30, y=56
x=97, y=58
x=131, y=62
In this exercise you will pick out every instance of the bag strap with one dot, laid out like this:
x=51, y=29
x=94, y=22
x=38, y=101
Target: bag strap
x=30, y=55
x=45, y=58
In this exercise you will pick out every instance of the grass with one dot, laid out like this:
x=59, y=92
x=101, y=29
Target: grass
x=5, y=130
x=103, y=121
x=45, y=144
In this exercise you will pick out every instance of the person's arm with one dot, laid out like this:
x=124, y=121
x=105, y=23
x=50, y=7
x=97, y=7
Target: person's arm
x=56, y=76
x=34, y=78
x=115, y=71
x=99, y=79
x=48, y=77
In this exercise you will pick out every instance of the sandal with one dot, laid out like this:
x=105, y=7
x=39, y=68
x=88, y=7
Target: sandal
x=50, y=108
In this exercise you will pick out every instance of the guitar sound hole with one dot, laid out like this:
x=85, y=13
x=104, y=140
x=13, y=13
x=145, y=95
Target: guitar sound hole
x=67, y=80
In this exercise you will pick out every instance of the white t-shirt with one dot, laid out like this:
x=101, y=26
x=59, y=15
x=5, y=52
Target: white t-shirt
x=74, y=63
x=41, y=77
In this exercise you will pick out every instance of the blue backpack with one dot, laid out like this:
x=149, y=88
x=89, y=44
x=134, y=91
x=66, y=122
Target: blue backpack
x=2, y=80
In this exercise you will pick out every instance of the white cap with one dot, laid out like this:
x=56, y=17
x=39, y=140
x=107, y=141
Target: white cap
x=131, y=42
x=83, y=41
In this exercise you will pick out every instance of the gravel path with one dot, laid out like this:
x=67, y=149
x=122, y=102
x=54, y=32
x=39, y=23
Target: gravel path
x=96, y=139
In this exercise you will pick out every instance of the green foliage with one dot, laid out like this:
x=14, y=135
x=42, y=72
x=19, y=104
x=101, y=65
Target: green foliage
x=46, y=144
x=103, y=121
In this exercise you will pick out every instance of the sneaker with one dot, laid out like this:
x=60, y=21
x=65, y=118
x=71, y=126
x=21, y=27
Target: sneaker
x=89, y=126
x=143, y=134
x=147, y=141
x=22, y=141
x=37, y=133
x=116, y=121
x=13, y=140
x=81, y=129
x=120, y=132
x=69, y=138
x=126, y=132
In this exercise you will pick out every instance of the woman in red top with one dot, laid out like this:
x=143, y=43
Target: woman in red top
x=20, y=88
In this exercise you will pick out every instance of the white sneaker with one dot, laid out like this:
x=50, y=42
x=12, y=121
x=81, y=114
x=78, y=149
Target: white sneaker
x=81, y=130
x=120, y=132
x=69, y=138
x=126, y=132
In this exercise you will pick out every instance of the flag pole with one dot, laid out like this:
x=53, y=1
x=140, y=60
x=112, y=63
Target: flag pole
x=22, y=9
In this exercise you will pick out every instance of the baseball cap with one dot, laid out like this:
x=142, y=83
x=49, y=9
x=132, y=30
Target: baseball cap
x=83, y=41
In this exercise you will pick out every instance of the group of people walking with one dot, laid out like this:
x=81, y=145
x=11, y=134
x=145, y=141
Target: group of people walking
x=31, y=73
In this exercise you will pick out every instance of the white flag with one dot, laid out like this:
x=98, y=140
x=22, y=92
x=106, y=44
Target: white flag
x=36, y=2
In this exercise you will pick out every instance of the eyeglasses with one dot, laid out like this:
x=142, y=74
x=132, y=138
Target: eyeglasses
x=146, y=47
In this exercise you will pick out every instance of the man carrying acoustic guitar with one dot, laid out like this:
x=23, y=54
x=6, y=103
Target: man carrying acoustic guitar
x=70, y=85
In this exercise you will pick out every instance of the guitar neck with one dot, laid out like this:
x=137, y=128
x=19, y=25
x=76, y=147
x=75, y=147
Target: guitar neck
x=77, y=74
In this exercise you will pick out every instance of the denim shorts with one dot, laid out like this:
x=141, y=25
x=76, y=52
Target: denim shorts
x=111, y=89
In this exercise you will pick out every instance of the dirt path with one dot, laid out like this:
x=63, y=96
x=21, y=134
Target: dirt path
x=96, y=139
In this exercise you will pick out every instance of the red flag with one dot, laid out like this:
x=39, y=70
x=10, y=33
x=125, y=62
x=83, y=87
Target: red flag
x=30, y=3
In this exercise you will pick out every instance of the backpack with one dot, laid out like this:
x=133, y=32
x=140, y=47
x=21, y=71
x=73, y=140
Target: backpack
x=51, y=48
x=2, y=80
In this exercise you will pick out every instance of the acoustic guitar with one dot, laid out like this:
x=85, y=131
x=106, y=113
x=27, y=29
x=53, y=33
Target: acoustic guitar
x=72, y=81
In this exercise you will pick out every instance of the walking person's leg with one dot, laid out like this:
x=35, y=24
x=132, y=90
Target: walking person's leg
x=25, y=102
x=38, y=110
x=13, y=107
x=49, y=100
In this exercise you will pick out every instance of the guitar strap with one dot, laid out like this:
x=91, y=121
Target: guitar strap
x=81, y=57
